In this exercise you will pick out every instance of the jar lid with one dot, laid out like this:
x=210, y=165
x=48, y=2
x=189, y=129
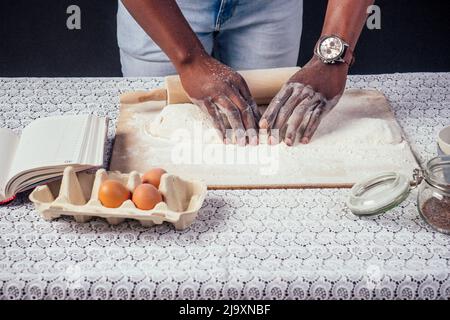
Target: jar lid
x=378, y=194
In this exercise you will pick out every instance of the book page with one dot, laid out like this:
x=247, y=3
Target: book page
x=8, y=146
x=50, y=142
x=94, y=147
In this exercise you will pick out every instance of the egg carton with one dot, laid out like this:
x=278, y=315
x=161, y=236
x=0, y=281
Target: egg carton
x=76, y=194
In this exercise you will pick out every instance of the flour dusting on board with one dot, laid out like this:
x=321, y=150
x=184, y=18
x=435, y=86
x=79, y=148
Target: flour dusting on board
x=357, y=139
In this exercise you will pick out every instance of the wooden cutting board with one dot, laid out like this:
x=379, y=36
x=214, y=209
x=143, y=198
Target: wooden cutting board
x=359, y=138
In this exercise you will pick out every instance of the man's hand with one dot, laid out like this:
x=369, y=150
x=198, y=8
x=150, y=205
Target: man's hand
x=302, y=103
x=310, y=94
x=219, y=90
x=210, y=84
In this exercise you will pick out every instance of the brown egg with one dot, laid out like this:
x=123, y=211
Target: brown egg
x=146, y=196
x=112, y=194
x=153, y=176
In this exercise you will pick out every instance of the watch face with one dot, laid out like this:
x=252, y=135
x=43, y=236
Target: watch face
x=331, y=48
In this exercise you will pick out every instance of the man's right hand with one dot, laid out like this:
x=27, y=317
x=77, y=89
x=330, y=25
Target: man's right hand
x=213, y=86
x=218, y=89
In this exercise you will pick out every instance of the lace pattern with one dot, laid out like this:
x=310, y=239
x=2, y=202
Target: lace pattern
x=269, y=244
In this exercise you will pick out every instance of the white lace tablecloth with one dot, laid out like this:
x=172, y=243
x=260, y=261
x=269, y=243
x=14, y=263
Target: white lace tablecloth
x=282, y=244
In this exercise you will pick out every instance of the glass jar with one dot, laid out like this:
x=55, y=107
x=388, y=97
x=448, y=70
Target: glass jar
x=434, y=194
x=387, y=190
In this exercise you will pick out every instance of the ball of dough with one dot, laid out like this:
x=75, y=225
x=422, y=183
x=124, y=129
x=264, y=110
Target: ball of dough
x=184, y=120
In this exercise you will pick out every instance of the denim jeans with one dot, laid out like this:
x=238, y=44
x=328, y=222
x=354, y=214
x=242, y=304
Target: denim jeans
x=243, y=34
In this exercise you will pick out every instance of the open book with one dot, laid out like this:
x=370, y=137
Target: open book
x=46, y=147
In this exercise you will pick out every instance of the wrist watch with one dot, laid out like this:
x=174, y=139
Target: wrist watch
x=332, y=49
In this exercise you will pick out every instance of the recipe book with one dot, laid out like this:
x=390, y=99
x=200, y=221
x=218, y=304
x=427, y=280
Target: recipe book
x=45, y=147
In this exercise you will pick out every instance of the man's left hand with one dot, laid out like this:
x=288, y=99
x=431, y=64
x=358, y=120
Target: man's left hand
x=302, y=103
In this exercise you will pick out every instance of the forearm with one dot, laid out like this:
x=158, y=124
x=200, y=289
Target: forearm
x=346, y=18
x=164, y=22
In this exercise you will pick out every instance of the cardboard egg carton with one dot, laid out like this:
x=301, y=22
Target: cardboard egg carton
x=77, y=195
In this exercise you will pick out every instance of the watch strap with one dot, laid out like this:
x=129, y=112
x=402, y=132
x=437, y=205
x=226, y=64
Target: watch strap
x=349, y=56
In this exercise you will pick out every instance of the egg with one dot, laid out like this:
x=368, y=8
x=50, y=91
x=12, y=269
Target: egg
x=112, y=194
x=146, y=196
x=153, y=176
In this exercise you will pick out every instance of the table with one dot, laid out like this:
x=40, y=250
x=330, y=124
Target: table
x=269, y=244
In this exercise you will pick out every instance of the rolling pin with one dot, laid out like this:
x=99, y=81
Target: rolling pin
x=264, y=84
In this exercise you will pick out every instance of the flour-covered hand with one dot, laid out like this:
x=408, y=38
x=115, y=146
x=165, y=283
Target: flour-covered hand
x=224, y=95
x=297, y=110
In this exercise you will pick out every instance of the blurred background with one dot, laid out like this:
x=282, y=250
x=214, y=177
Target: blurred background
x=35, y=42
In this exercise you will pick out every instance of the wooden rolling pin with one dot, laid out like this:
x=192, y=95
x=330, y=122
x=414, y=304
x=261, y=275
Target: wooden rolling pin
x=264, y=84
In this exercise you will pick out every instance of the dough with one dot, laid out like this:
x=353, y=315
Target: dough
x=184, y=120
x=342, y=128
